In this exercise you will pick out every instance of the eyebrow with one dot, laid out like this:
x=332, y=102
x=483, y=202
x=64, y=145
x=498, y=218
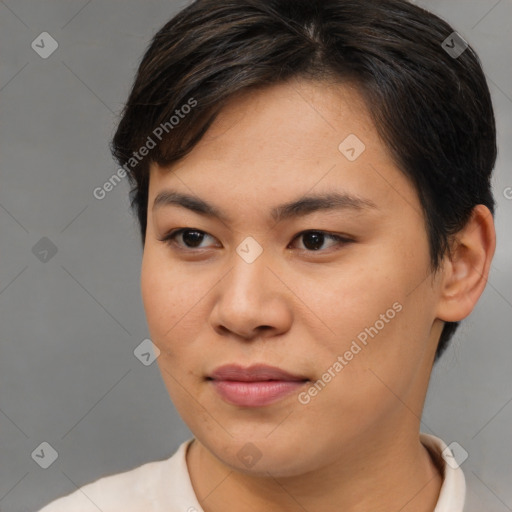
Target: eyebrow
x=298, y=208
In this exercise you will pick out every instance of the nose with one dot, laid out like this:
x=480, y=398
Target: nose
x=252, y=300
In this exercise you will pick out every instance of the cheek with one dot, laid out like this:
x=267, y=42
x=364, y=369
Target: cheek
x=382, y=357
x=379, y=306
x=170, y=299
x=353, y=301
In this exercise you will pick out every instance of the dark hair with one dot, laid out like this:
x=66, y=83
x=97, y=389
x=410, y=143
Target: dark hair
x=431, y=106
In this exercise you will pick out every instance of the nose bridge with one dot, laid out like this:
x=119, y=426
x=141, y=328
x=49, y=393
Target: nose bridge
x=250, y=260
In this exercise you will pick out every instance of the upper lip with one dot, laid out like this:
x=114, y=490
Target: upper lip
x=254, y=373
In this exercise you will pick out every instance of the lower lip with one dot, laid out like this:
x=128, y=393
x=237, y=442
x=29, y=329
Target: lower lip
x=255, y=394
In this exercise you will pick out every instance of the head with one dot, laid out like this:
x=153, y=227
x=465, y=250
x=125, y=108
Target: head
x=246, y=106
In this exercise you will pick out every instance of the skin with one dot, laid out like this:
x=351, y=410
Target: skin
x=355, y=446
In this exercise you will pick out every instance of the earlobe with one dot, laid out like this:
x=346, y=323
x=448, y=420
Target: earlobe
x=466, y=267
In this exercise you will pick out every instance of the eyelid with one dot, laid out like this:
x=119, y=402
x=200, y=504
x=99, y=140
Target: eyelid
x=169, y=237
x=341, y=239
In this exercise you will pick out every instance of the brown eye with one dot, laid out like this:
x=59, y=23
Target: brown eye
x=314, y=240
x=191, y=238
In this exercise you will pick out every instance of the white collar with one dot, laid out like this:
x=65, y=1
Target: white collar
x=453, y=490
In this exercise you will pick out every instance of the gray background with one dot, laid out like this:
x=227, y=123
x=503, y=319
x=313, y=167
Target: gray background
x=69, y=325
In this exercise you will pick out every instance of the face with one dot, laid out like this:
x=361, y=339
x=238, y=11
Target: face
x=340, y=297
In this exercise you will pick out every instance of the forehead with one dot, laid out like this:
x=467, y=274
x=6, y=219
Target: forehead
x=282, y=141
x=292, y=120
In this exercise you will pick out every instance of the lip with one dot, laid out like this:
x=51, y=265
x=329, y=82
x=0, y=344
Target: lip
x=254, y=386
x=254, y=373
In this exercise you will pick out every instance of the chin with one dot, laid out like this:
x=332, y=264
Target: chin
x=261, y=457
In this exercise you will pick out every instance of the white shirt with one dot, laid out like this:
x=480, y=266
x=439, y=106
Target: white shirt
x=165, y=486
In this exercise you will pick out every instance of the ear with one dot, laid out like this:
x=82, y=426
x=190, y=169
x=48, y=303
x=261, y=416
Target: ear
x=466, y=266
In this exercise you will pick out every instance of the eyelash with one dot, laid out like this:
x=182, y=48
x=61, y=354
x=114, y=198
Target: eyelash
x=169, y=239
